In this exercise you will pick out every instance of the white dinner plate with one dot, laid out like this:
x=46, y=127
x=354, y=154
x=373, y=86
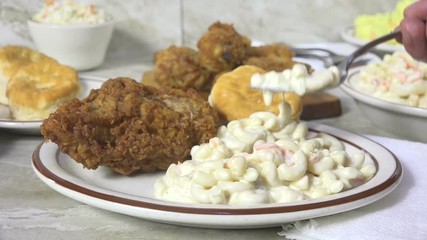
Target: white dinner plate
x=133, y=195
x=349, y=36
x=33, y=127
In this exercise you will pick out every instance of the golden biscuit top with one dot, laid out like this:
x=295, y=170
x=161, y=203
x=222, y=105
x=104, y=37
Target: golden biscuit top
x=42, y=83
x=14, y=57
x=234, y=98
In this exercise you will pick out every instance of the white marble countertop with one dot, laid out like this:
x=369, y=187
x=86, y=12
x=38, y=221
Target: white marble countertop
x=29, y=209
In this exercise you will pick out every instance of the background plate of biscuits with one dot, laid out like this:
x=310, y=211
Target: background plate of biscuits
x=33, y=127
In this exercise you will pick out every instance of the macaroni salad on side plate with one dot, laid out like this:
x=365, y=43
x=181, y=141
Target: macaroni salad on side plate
x=398, y=78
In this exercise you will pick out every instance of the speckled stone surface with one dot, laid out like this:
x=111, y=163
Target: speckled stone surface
x=290, y=21
x=143, y=27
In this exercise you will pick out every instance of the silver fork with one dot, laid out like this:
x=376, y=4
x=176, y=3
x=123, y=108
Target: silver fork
x=276, y=85
x=344, y=66
x=328, y=57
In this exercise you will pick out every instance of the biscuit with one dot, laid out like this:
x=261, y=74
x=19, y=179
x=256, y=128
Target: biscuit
x=36, y=89
x=11, y=59
x=234, y=98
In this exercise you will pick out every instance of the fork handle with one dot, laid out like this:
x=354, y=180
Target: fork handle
x=362, y=50
x=312, y=51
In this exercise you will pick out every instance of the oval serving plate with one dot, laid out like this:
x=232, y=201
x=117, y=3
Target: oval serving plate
x=133, y=195
x=33, y=127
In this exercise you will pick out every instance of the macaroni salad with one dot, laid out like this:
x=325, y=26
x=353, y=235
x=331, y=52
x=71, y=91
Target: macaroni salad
x=69, y=12
x=296, y=80
x=398, y=78
x=265, y=158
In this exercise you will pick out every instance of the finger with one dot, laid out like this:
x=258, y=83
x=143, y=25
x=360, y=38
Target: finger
x=417, y=10
x=414, y=38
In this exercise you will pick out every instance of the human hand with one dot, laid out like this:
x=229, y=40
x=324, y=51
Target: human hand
x=414, y=30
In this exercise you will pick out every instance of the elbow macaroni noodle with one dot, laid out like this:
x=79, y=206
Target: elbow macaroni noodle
x=398, y=78
x=297, y=80
x=264, y=159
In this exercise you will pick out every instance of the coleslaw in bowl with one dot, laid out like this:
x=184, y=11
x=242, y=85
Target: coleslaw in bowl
x=75, y=34
x=70, y=12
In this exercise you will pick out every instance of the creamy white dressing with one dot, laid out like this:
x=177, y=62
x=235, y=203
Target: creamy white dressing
x=296, y=80
x=264, y=159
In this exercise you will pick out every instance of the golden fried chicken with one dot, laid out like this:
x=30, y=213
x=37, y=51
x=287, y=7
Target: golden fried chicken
x=179, y=67
x=130, y=127
x=273, y=50
x=275, y=57
x=222, y=48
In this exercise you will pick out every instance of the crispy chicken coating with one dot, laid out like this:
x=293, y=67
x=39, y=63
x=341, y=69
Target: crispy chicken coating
x=273, y=50
x=179, y=67
x=275, y=57
x=222, y=48
x=129, y=127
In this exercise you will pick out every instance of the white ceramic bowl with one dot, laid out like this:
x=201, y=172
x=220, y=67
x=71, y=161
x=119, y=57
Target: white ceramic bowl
x=81, y=46
x=402, y=120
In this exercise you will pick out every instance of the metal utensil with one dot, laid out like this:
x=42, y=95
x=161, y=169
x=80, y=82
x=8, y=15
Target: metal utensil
x=344, y=66
x=326, y=56
x=290, y=80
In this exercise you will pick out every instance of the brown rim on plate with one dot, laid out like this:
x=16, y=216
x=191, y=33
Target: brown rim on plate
x=394, y=177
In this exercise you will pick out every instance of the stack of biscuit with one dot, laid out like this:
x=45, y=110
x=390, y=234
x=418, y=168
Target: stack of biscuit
x=33, y=84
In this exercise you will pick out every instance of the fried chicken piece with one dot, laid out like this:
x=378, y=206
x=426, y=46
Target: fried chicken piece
x=130, y=127
x=179, y=67
x=222, y=48
x=275, y=57
x=273, y=50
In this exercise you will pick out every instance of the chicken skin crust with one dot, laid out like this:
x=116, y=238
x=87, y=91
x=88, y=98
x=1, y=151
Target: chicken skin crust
x=222, y=48
x=129, y=127
x=275, y=57
x=179, y=67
